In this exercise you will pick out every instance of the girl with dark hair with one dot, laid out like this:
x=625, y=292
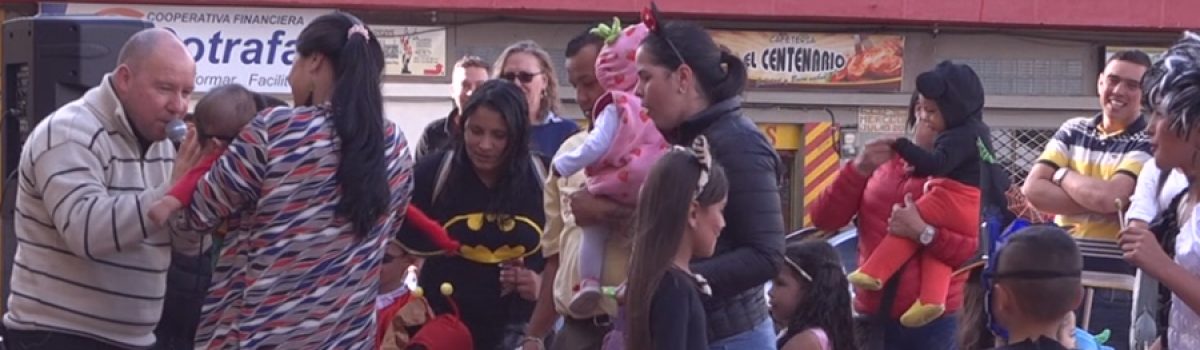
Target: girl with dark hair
x=690, y=88
x=678, y=219
x=487, y=193
x=810, y=299
x=311, y=194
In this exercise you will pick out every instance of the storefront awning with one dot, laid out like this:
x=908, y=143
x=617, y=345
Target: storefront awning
x=1147, y=15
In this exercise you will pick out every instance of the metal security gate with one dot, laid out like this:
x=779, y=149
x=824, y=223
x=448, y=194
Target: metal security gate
x=1017, y=150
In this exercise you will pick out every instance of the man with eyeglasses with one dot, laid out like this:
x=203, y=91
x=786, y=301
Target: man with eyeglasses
x=469, y=72
x=1090, y=165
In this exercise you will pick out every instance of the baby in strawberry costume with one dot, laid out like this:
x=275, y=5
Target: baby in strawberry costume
x=619, y=151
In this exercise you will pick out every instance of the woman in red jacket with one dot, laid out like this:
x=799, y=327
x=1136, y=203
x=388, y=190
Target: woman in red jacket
x=872, y=187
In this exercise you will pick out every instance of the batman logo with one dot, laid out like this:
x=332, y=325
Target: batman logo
x=489, y=238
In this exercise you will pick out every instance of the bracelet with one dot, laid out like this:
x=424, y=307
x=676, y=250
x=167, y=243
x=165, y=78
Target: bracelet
x=541, y=344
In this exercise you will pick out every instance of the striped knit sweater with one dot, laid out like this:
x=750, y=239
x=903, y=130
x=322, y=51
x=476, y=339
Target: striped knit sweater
x=88, y=261
x=292, y=274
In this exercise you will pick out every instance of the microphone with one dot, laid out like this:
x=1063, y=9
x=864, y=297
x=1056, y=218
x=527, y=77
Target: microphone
x=176, y=130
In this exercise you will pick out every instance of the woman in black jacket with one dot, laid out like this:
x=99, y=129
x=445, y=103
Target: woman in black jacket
x=691, y=88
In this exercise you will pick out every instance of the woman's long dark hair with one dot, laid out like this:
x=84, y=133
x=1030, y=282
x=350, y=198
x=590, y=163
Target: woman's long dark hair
x=356, y=111
x=827, y=302
x=720, y=74
x=506, y=99
x=660, y=223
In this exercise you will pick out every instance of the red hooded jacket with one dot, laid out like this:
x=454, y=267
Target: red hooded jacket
x=871, y=199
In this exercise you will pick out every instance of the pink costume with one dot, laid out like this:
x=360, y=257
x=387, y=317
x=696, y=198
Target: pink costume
x=625, y=143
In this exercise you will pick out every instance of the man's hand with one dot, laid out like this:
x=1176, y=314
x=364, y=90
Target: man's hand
x=1142, y=249
x=873, y=155
x=162, y=210
x=1097, y=195
x=590, y=210
x=190, y=152
x=1048, y=197
x=515, y=277
x=906, y=220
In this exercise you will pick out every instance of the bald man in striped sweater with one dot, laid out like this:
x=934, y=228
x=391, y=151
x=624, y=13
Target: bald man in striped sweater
x=90, y=269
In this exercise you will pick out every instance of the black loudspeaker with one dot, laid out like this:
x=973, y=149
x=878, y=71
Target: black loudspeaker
x=48, y=62
x=52, y=60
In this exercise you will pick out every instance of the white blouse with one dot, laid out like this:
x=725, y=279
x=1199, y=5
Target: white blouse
x=1184, y=327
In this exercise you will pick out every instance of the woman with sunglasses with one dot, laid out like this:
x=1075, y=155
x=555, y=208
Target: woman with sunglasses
x=691, y=88
x=528, y=65
x=869, y=188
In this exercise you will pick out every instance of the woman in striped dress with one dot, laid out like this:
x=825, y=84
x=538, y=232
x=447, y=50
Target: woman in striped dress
x=313, y=193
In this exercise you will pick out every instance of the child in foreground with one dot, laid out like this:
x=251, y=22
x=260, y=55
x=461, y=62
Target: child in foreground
x=1036, y=285
x=810, y=299
x=679, y=218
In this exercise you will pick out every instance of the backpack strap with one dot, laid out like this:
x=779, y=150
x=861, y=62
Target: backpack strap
x=539, y=169
x=443, y=173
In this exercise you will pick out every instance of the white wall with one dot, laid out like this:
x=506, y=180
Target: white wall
x=412, y=117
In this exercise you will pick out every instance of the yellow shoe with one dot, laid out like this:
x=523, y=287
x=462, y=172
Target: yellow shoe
x=862, y=280
x=920, y=314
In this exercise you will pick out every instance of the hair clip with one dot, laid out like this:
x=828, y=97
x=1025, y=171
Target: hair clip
x=650, y=17
x=700, y=149
x=700, y=152
x=358, y=29
x=798, y=269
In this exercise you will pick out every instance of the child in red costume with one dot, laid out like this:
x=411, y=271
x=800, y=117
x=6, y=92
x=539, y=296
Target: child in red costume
x=950, y=99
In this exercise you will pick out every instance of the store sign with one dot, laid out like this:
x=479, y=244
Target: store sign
x=251, y=46
x=852, y=61
x=883, y=120
x=413, y=51
x=782, y=136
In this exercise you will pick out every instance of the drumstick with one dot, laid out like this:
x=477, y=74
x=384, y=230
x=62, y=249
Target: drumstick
x=1121, y=213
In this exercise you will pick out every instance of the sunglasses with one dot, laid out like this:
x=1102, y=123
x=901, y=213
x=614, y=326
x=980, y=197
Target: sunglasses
x=524, y=77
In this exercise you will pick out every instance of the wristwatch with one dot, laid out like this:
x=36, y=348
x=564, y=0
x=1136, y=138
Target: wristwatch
x=927, y=235
x=1059, y=175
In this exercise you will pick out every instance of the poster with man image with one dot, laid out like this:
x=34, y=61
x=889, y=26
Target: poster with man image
x=871, y=62
x=413, y=50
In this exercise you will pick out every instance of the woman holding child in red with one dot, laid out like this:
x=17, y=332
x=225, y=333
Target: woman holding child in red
x=918, y=212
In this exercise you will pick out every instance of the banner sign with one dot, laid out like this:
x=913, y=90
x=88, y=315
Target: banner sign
x=252, y=46
x=854, y=61
x=413, y=51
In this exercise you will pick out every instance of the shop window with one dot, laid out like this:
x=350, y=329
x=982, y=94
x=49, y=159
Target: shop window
x=1029, y=77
